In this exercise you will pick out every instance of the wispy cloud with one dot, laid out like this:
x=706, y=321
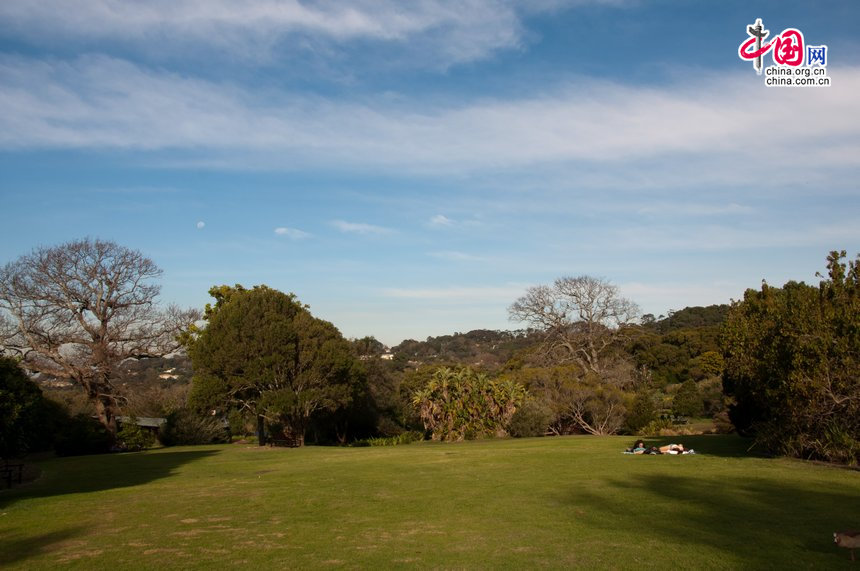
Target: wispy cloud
x=360, y=228
x=473, y=294
x=697, y=132
x=451, y=32
x=291, y=233
x=727, y=237
x=440, y=220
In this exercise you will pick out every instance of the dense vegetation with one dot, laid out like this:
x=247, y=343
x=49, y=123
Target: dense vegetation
x=482, y=348
x=779, y=366
x=264, y=353
x=24, y=413
x=792, y=361
x=30, y=422
x=382, y=402
x=462, y=404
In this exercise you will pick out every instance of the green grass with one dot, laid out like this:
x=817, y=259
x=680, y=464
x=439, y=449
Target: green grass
x=572, y=502
x=700, y=425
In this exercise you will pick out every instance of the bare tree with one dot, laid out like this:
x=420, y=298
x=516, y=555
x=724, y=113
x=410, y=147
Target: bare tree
x=581, y=317
x=598, y=411
x=77, y=310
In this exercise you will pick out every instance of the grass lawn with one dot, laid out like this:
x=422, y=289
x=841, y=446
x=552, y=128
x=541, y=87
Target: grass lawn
x=516, y=504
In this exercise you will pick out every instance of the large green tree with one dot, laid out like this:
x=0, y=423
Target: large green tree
x=263, y=351
x=792, y=356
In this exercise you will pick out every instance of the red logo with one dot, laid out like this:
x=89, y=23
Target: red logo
x=787, y=47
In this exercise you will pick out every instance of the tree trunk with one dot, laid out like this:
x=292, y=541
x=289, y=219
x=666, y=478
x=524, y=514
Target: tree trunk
x=107, y=411
x=261, y=430
x=342, y=432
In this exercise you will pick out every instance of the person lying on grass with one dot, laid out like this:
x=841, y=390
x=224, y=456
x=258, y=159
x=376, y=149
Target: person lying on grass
x=640, y=448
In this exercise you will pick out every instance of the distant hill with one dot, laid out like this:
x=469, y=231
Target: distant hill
x=491, y=349
x=478, y=348
x=691, y=317
x=156, y=370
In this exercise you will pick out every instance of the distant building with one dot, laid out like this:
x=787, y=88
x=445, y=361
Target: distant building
x=152, y=424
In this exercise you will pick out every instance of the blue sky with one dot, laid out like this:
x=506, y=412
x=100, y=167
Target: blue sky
x=409, y=168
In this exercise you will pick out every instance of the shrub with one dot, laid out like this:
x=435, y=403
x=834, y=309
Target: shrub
x=28, y=421
x=186, y=427
x=722, y=423
x=675, y=431
x=134, y=438
x=241, y=424
x=643, y=410
x=462, y=404
x=403, y=438
x=386, y=426
x=83, y=435
x=712, y=395
x=532, y=418
x=655, y=427
x=688, y=400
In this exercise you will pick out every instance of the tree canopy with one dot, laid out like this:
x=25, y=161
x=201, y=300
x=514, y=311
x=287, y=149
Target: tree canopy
x=792, y=356
x=263, y=351
x=78, y=310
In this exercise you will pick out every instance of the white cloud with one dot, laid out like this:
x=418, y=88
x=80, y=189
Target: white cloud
x=462, y=294
x=426, y=33
x=292, y=233
x=441, y=220
x=200, y=225
x=693, y=133
x=360, y=228
x=449, y=31
x=730, y=237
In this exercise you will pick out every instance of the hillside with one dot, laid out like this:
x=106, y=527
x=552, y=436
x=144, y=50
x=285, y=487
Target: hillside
x=483, y=348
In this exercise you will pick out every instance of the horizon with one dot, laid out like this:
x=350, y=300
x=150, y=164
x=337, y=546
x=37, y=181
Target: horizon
x=408, y=171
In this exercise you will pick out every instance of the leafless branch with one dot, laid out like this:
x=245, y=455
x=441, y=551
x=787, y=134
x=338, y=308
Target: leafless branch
x=582, y=317
x=77, y=310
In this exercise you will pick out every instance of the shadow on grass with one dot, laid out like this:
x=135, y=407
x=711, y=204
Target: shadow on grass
x=82, y=474
x=764, y=521
x=14, y=549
